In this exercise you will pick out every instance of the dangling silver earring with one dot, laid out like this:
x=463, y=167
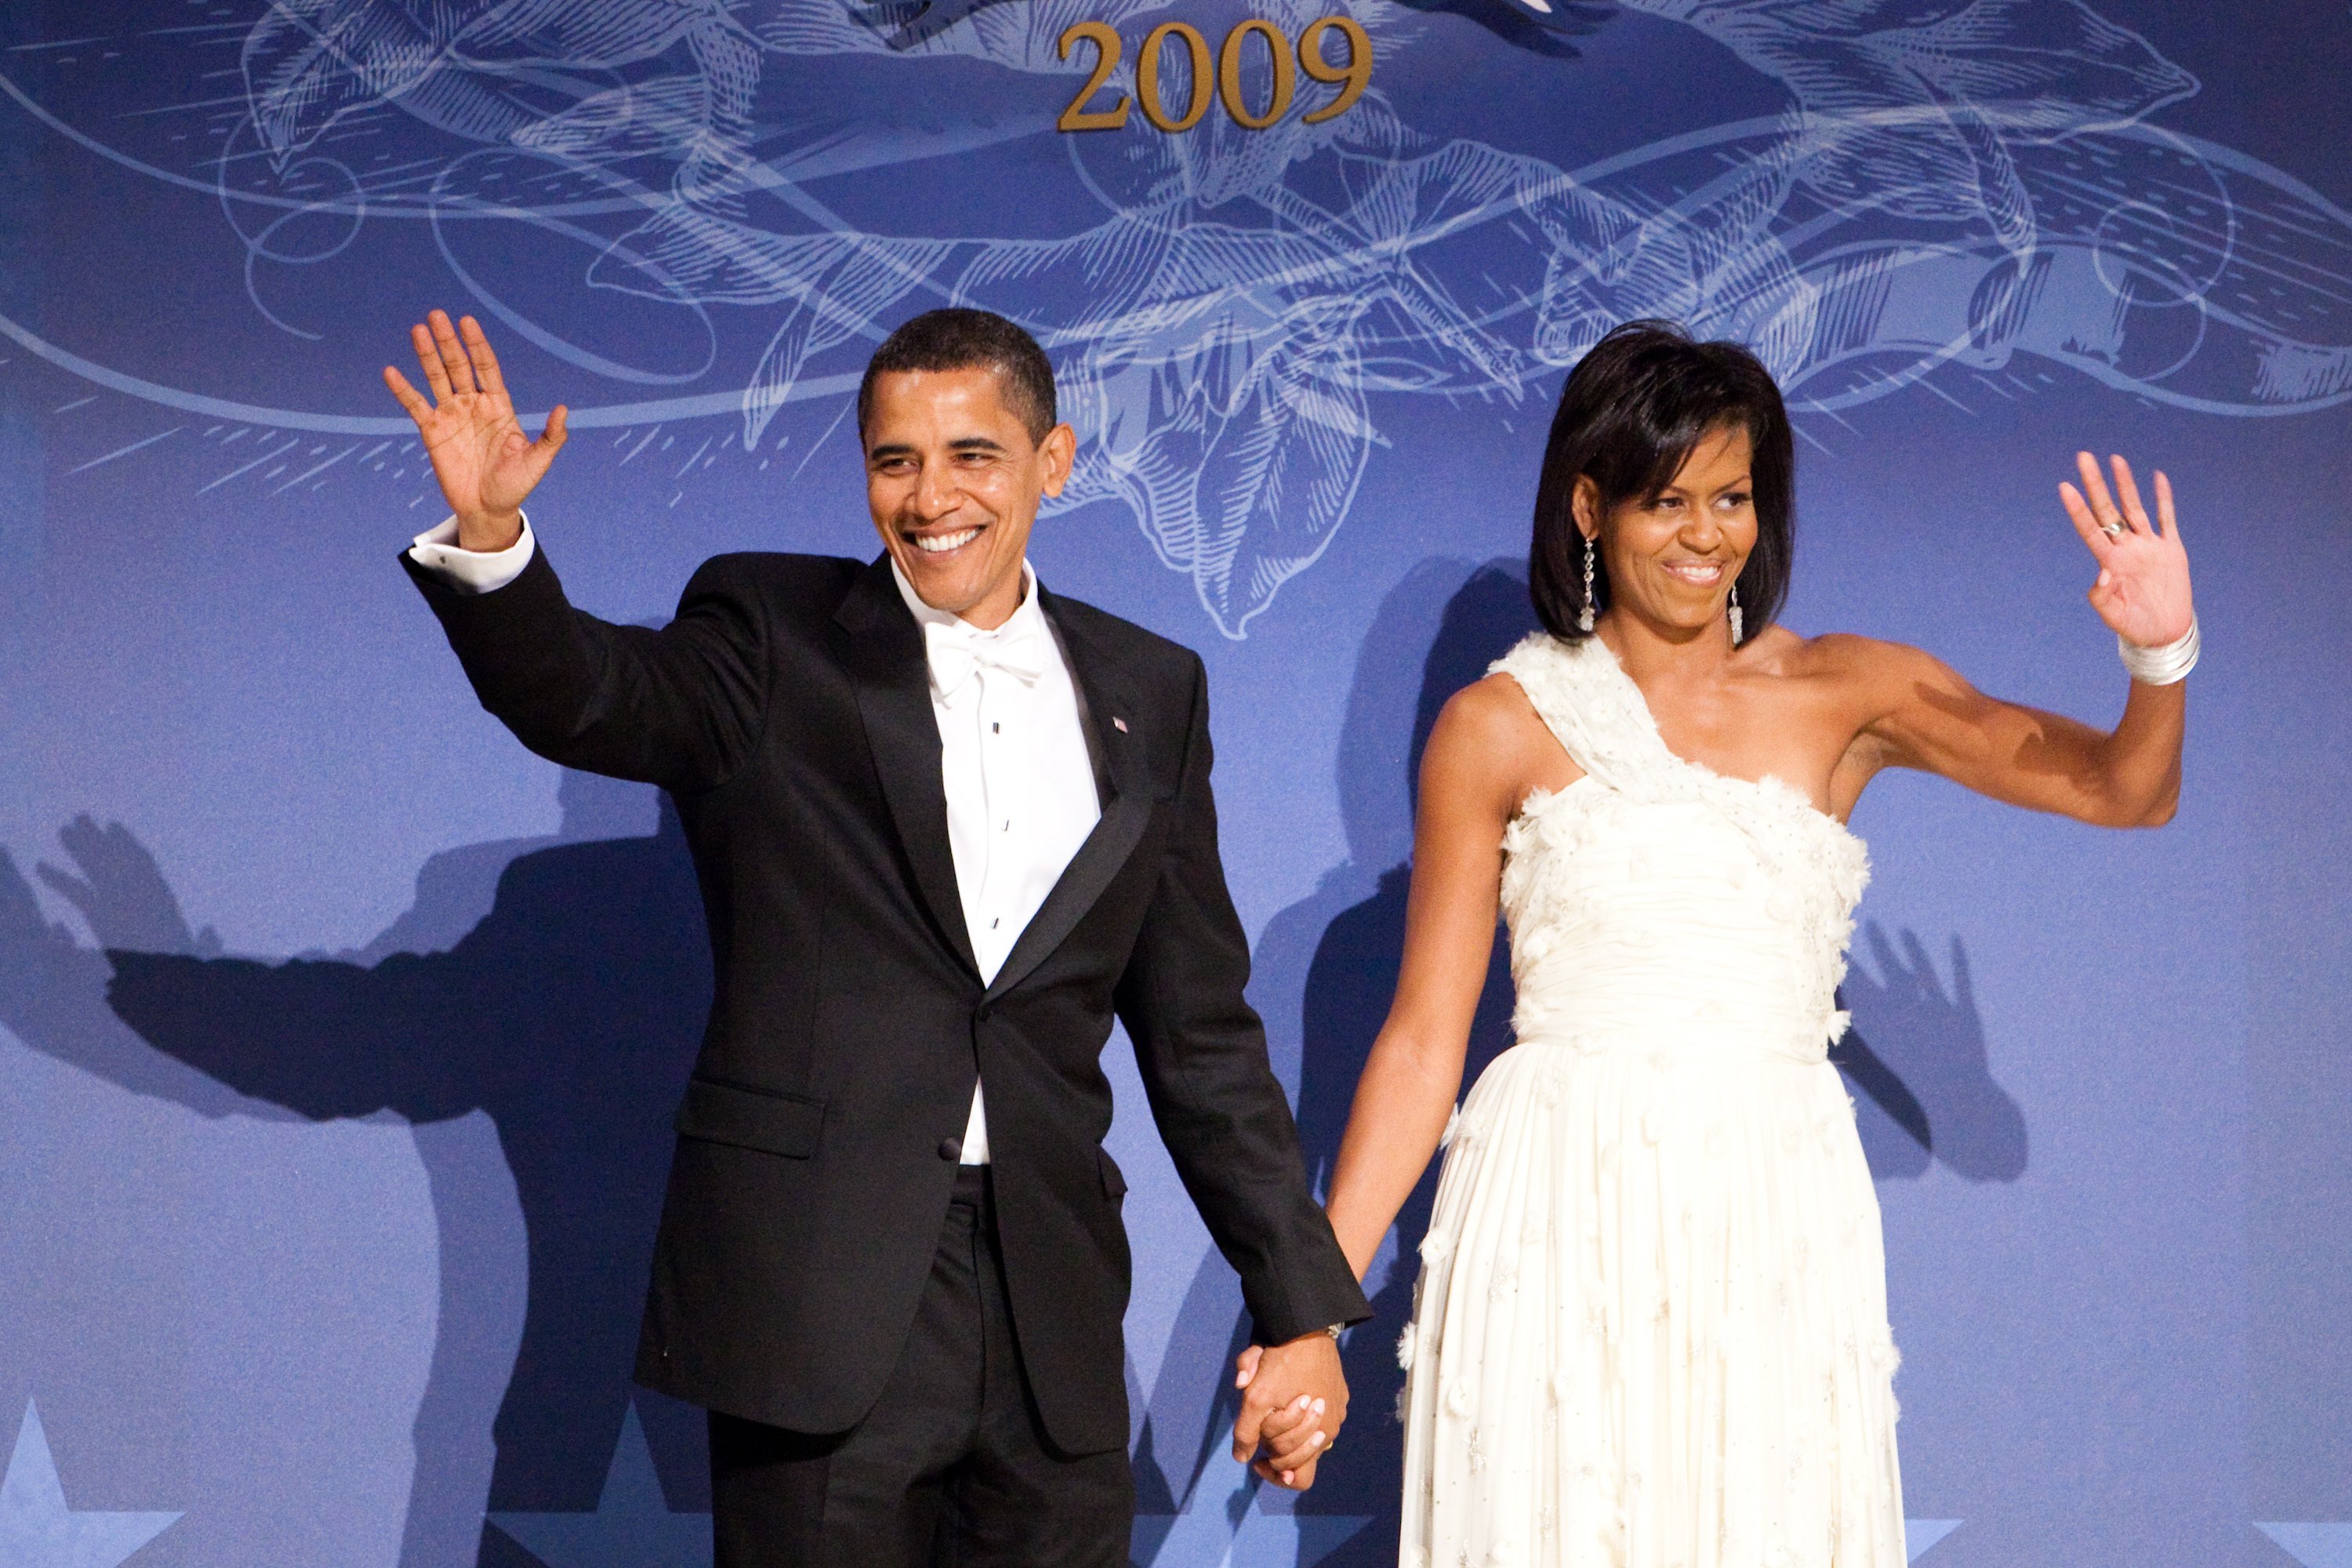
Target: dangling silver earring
x=1735, y=615
x=1585, y=617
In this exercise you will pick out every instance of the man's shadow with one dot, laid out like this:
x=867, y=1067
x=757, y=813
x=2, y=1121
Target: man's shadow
x=540, y=1055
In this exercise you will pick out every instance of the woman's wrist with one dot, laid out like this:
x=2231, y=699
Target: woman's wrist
x=2164, y=664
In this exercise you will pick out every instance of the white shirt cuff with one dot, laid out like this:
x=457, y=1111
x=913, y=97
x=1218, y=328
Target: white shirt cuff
x=471, y=571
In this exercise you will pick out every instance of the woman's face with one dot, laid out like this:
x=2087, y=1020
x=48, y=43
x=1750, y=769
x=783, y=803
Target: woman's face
x=1673, y=556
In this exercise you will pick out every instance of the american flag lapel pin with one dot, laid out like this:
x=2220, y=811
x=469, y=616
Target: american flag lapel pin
x=1118, y=724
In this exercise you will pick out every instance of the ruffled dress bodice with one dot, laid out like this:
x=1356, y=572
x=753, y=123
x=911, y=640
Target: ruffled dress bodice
x=1659, y=902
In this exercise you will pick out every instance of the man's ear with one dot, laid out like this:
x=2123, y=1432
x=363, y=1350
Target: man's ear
x=1584, y=504
x=1060, y=450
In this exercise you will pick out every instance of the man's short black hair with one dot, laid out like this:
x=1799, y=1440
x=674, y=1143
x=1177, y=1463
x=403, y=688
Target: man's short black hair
x=959, y=339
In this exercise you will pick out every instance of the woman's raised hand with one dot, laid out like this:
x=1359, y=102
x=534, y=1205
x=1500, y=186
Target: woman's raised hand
x=484, y=462
x=2142, y=592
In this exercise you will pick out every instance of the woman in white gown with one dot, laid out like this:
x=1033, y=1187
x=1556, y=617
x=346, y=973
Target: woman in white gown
x=1651, y=1328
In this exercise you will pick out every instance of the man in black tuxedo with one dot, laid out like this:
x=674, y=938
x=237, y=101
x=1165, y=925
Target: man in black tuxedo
x=948, y=825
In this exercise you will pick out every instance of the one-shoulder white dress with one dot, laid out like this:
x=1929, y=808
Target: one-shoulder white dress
x=1651, y=1329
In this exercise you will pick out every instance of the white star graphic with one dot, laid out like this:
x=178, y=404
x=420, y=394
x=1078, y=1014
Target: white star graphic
x=632, y=1527
x=1921, y=1534
x=1207, y=1533
x=37, y=1528
x=2314, y=1544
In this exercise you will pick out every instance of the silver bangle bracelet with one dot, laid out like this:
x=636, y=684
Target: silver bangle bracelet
x=2161, y=666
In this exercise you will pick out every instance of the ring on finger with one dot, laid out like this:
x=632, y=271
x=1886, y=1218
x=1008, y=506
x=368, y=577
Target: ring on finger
x=2113, y=528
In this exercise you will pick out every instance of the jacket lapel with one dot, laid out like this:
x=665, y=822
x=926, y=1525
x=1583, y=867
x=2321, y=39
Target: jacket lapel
x=888, y=669
x=1111, y=714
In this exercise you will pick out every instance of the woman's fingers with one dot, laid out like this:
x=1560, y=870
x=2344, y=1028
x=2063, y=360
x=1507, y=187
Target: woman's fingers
x=428, y=358
x=2128, y=492
x=1296, y=1478
x=1286, y=1423
x=2164, y=507
x=2094, y=489
x=1245, y=1364
x=2103, y=595
x=1300, y=1444
x=1289, y=1418
x=2086, y=522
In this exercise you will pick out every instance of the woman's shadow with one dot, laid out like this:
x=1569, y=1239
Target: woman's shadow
x=540, y=1053
x=1916, y=1053
x=1326, y=970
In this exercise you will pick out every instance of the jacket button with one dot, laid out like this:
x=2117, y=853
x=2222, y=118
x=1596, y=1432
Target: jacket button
x=950, y=1148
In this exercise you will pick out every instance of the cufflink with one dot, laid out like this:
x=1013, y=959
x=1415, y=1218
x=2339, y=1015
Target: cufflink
x=1118, y=724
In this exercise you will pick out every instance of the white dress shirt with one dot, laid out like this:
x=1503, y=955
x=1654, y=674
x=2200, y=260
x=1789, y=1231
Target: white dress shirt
x=1012, y=754
x=1020, y=785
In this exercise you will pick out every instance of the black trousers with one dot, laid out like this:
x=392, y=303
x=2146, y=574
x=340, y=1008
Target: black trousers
x=951, y=1469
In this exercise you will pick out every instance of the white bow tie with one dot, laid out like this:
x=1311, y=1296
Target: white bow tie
x=961, y=650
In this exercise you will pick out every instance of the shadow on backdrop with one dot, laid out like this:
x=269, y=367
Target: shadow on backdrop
x=1924, y=1090
x=535, y=1014
x=1917, y=1056
x=1327, y=967
x=536, y=1010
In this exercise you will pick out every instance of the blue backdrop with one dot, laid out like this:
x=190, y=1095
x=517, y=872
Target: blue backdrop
x=339, y=1036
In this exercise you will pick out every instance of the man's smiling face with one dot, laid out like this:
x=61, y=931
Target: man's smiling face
x=954, y=478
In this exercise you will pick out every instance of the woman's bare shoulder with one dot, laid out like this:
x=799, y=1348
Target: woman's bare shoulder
x=1491, y=728
x=1492, y=713
x=1846, y=661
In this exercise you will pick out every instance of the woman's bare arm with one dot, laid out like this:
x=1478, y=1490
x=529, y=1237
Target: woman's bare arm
x=1487, y=750
x=1925, y=716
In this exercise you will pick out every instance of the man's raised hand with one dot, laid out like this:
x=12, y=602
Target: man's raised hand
x=484, y=462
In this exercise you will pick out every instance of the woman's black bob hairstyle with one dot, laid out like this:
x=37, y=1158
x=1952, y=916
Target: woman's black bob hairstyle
x=1630, y=413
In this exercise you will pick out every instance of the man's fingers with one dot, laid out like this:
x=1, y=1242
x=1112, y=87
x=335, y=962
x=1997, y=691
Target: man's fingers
x=428, y=359
x=555, y=435
x=410, y=398
x=1247, y=1426
x=454, y=363
x=479, y=356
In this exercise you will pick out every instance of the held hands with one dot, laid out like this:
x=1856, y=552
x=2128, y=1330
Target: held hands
x=1294, y=1401
x=484, y=462
x=2142, y=592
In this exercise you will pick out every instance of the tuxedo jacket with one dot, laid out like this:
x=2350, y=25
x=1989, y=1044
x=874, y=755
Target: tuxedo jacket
x=787, y=710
